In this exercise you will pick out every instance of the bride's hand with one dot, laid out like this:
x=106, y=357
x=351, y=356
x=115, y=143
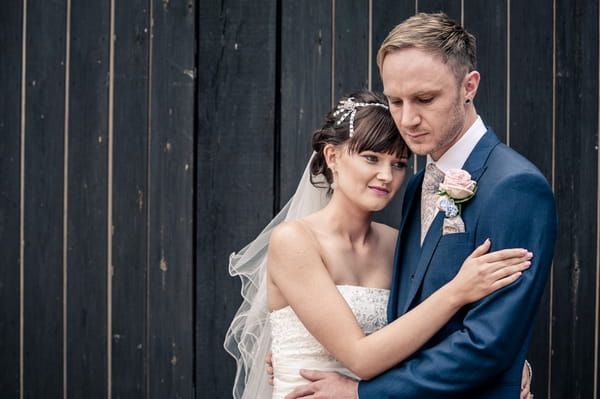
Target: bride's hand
x=483, y=273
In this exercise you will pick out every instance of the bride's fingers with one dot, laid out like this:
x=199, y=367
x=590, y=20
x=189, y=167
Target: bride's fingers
x=506, y=254
x=481, y=250
x=507, y=266
x=510, y=270
x=503, y=282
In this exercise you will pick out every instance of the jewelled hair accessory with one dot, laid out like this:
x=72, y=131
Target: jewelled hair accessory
x=348, y=107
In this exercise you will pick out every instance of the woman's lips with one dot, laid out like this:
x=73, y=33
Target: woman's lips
x=380, y=190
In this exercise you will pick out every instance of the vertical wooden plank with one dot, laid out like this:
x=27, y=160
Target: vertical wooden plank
x=385, y=16
x=351, y=41
x=530, y=83
x=576, y=183
x=43, y=200
x=11, y=41
x=87, y=201
x=530, y=131
x=488, y=22
x=171, y=188
x=305, y=84
x=452, y=8
x=236, y=110
x=130, y=199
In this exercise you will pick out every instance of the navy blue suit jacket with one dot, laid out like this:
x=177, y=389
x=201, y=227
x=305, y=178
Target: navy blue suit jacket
x=480, y=352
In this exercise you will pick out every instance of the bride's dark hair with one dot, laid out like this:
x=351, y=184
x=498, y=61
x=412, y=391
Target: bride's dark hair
x=374, y=130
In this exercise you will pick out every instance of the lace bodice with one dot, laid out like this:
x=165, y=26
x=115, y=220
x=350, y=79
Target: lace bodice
x=294, y=348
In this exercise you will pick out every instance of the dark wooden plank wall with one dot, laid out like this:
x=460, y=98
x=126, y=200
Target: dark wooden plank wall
x=143, y=141
x=86, y=179
x=42, y=210
x=236, y=156
x=10, y=198
x=574, y=362
x=130, y=125
x=97, y=196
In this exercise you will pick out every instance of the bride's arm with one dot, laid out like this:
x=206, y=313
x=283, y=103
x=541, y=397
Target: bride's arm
x=297, y=270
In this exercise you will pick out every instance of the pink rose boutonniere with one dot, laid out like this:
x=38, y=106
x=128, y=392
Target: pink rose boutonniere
x=456, y=189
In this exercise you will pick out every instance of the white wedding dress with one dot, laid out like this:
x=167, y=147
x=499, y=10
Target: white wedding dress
x=294, y=348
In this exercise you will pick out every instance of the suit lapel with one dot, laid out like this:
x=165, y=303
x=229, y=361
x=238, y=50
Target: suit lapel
x=475, y=165
x=427, y=250
x=410, y=203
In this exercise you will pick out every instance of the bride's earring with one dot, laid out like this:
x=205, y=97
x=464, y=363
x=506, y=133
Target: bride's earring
x=334, y=173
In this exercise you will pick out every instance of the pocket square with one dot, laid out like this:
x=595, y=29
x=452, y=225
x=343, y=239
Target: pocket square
x=453, y=225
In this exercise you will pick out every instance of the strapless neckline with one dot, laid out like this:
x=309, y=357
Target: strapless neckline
x=294, y=348
x=341, y=288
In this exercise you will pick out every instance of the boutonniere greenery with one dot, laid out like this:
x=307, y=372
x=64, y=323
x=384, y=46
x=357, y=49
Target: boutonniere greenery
x=456, y=189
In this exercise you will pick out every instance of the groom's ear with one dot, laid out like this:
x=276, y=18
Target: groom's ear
x=470, y=84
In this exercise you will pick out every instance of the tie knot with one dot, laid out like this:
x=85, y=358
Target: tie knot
x=433, y=177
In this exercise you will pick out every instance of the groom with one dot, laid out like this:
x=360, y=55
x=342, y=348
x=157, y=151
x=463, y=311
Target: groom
x=427, y=65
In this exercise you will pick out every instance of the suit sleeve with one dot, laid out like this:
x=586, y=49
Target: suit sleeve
x=520, y=212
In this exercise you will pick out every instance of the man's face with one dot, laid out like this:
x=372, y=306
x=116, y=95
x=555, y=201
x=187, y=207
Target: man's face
x=425, y=100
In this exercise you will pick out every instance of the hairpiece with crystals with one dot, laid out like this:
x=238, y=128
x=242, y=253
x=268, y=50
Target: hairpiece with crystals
x=348, y=107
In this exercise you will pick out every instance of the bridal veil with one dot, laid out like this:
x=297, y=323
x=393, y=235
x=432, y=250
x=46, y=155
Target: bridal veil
x=248, y=338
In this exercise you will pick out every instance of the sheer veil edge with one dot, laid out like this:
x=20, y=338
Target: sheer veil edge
x=248, y=338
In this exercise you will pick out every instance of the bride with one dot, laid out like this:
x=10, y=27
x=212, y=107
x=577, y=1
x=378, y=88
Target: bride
x=316, y=281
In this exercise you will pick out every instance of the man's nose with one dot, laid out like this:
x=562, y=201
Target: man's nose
x=410, y=116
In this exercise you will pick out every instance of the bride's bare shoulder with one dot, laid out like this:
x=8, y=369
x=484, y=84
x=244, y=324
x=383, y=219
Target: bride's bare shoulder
x=292, y=233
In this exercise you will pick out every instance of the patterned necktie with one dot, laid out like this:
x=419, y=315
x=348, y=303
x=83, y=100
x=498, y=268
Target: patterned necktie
x=433, y=177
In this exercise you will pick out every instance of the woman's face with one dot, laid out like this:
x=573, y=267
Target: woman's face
x=369, y=179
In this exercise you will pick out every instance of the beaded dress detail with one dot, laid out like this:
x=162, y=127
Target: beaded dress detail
x=294, y=348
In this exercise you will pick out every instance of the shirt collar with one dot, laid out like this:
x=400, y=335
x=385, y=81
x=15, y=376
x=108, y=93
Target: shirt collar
x=456, y=156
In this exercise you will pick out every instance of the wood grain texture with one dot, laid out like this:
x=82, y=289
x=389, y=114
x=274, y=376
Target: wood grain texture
x=170, y=196
x=43, y=201
x=236, y=142
x=87, y=307
x=488, y=22
x=351, y=47
x=10, y=185
x=306, y=76
x=130, y=200
x=452, y=8
x=575, y=278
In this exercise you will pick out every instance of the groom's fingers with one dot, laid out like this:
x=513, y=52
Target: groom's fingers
x=313, y=375
x=306, y=391
x=300, y=392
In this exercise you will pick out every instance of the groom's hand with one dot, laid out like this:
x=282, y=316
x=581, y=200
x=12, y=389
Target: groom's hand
x=325, y=384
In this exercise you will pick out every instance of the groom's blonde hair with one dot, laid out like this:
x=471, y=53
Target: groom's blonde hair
x=435, y=33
